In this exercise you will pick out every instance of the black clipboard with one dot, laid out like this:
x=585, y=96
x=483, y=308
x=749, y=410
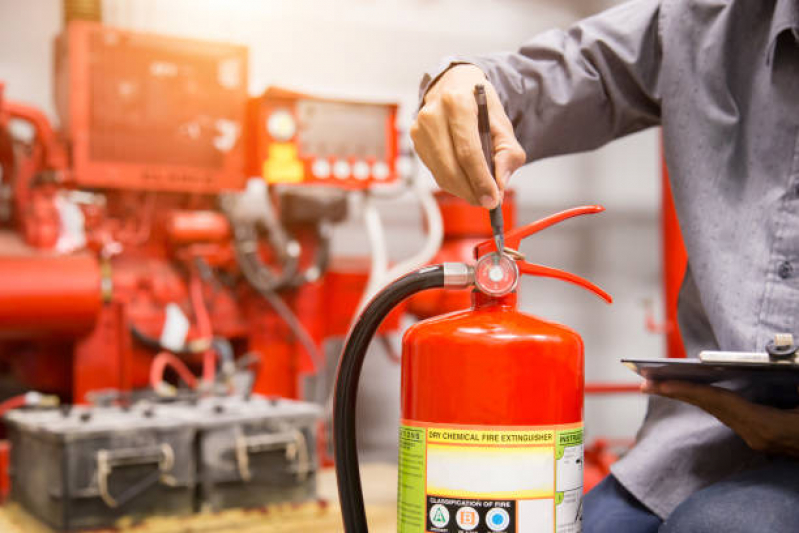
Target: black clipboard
x=696, y=371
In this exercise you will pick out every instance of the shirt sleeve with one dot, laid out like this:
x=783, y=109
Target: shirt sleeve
x=575, y=90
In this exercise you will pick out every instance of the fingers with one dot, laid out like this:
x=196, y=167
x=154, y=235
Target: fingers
x=509, y=155
x=730, y=408
x=433, y=143
x=465, y=137
x=447, y=139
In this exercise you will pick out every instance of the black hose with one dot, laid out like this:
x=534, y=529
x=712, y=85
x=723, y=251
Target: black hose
x=155, y=345
x=349, y=373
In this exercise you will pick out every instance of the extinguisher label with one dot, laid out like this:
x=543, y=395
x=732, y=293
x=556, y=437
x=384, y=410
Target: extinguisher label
x=477, y=479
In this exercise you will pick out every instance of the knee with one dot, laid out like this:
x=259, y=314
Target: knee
x=609, y=508
x=745, y=510
x=697, y=515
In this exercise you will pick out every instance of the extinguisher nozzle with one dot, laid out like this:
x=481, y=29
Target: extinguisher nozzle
x=458, y=275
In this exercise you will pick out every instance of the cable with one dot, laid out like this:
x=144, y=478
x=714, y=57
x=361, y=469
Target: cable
x=349, y=373
x=203, y=325
x=164, y=360
x=190, y=348
x=299, y=331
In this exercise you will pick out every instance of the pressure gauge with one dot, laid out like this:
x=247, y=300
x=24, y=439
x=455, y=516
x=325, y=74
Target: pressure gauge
x=496, y=274
x=281, y=125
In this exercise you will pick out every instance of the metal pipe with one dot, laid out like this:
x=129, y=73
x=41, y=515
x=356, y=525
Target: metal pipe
x=58, y=295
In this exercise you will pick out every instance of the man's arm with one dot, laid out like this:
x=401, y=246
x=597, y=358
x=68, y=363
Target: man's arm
x=562, y=92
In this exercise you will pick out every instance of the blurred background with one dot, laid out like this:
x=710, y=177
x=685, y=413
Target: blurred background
x=377, y=51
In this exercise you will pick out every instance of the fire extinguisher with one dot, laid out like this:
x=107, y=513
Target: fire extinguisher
x=491, y=436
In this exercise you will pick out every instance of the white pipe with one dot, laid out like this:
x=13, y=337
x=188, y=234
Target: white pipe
x=376, y=236
x=435, y=236
x=380, y=275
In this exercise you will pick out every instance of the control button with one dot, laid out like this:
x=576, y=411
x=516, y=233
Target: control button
x=281, y=125
x=360, y=170
x=785, y=270
x=321, y=168
x=380, y=170
x=341, y=170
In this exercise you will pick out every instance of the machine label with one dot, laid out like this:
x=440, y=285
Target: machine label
x=477, y=479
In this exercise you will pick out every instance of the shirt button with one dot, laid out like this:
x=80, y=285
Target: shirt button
x=785, y=270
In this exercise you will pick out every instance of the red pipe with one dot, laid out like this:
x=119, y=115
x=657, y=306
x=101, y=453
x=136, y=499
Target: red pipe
x=160, y=364
x=612, y=388
x=15, y=402
x=203, y=325
x=675, y=260
x=48, y=294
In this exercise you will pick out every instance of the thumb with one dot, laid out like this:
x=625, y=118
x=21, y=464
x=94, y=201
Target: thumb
x=508, y=157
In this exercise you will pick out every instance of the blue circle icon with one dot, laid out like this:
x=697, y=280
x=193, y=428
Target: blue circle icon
x=498, y=519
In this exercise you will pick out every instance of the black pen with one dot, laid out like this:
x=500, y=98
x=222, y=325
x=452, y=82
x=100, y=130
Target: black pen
x=484, y=129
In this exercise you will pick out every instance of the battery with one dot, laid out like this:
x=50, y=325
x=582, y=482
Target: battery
x=86, y=467
x=253, y=451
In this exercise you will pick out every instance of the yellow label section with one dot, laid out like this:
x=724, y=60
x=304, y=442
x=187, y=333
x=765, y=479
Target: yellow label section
x=481, y=437
x=485, y=479
x=283, y=165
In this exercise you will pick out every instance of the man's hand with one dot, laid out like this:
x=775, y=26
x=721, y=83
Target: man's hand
x=765, y=429
x=446, y=138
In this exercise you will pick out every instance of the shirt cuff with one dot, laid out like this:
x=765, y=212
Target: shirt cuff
x=430, y=78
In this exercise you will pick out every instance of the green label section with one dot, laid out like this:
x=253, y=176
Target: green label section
x=566, y=438
x=411, y=480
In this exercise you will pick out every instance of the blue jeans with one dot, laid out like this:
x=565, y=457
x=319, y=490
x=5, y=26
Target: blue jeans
x=762, y=500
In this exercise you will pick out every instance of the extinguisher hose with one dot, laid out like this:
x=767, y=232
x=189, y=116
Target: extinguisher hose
x=349, y=373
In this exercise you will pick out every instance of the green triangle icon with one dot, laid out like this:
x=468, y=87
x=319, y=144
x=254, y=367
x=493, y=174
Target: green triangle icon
x=439, y=517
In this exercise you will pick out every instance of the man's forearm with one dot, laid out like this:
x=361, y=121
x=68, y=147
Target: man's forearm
x=575, y=90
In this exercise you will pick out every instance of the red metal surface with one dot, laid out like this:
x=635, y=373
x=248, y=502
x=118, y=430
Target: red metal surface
x=187, y=227
x=5, y=478
x=147, y=221
x=598, y=387
x=462, y=220
x=260, y=142
x=44, y=295
x=344, y=286
x=675, y=260
x=131, y=110
x=534, y=367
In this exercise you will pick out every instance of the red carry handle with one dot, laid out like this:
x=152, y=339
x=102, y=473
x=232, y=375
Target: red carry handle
x=514, y=237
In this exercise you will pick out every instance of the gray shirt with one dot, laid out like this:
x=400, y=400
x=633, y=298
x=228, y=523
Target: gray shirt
x=722, y=79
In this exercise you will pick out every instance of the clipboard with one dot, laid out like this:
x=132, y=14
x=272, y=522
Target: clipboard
x=714, y=367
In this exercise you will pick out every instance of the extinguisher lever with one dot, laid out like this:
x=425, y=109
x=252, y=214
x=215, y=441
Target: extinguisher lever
x=513, y=240
x=549, y=272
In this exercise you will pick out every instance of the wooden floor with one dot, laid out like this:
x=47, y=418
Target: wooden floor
x=322, y=517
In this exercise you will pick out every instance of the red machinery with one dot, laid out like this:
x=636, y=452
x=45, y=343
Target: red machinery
x=129, y=232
